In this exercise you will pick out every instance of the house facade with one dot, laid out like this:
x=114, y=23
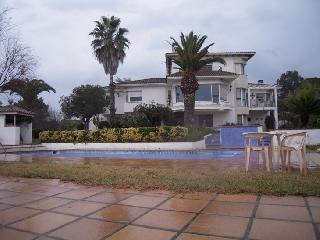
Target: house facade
x=225, y=95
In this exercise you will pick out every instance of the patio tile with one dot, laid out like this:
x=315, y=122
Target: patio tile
x=189, y=236
x=315, y=214
x=263, y=229
x=14, y=186
x=119, y=213
x=283, y=212
x=81, y=193
x=45, y=238
x=165, y=219
x=4, y=206
x=86, y=229
x=48, y=203
x=143, y=201
x=109, y=197
x=288, y=200
x=49, y=190
x=79, y=208
x=48, y=182
x=14, y=214
x=230, y=208
x=44, y=222
x=10, y=234
x=187, y=205
x=237, y=198
x=135, y=232
x=219, y=225
x=196, y=196
x=314, y=201
x=21, y=199
x=156, y=193
x=4, y=194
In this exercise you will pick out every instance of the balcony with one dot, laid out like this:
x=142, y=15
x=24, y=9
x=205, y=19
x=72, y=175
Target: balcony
x=266, y=104
x=204, y=106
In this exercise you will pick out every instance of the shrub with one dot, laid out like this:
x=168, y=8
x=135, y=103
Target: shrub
x=151, y=134
x=270, y=122
x=103, y=124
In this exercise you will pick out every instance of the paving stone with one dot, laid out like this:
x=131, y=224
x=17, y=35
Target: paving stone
x=135, y=233
x=4, y=206
x=79, y=208
x=143, y=201
x=10, y=234
x=80, y=193
x=165, y=219
x=22, y=198
x=196, y=196
x=43, y=222
x=109, y=197
x=85, y=229
x=283, y=212
x=189, y=236
x=288, y=200
x=236, y=197
x=5, y=194
x=187, y=205
x=314, y=201
x=263, y=229
x=315, y=211
x=225, y=226
x=14, y=214
x=119, y=213
x=230, y=208
x=47, y=203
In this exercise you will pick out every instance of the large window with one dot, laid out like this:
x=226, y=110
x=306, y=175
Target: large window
x=179, y=95
x=242, y=97
x=204, y=93
x=224, y=92
x=134, y=96
x=215, y=93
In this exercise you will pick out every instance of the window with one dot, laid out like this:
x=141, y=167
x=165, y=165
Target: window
x=179, y=95
x=224, y=92
x=169, y=98
x=207, y=67
x=204, y=93
x=242, y=97
x=215, y=93
x=134, y=96
x=239, y=68
x=242, y=119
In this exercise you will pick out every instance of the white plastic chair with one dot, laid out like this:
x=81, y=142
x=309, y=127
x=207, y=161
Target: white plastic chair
x=254, y=142
x=295, y=142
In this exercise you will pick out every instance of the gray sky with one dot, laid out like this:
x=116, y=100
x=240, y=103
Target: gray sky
x=284, y=33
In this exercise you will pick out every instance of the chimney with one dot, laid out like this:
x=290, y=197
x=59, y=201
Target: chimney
x=260, y=81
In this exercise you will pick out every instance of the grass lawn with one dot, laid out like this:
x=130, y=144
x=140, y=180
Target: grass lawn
x=179, y=180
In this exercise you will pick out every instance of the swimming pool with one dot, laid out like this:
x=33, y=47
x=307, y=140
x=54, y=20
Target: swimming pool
x=186, y=155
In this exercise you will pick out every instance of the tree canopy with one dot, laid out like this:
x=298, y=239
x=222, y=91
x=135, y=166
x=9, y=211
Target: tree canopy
x=84, y=102
x=289, y=82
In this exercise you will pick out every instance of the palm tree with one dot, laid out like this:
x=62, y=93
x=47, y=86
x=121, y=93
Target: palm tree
x=109, y=47
x=191, y=57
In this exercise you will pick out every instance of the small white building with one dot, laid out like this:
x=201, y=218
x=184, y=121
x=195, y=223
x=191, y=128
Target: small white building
x=225, y=95
x=15, y=125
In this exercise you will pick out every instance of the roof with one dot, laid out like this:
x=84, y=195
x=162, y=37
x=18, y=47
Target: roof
x=16, y=110
x=261, y=85
x=203, y=73
x=144, y=81
x=248, y=54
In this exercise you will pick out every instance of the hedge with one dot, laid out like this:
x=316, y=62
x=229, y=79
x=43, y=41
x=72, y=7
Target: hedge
x=147, y=134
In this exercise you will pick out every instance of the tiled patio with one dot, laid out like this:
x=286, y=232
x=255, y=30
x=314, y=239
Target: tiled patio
x=50, y=209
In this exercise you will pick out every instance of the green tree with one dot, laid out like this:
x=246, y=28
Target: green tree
x=84, y=102
x=109, y=47
x=289, y=82
x=29, y=90
x=304, y=103
x=191, y=57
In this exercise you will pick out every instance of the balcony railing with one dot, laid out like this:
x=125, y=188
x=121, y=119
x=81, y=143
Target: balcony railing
x=254, y=104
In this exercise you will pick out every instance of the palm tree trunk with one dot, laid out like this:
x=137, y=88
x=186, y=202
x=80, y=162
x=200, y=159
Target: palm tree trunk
x=112, y=107
x=189, y=102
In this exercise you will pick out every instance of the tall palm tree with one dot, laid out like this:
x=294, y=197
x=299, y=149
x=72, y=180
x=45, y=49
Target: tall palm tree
x=191, y=57
x=109, y=47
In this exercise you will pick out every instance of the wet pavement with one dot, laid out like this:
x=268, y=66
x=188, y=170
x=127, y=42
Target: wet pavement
x=50, y=209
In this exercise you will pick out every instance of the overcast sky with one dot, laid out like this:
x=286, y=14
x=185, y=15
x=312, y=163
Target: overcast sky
x=284, y=33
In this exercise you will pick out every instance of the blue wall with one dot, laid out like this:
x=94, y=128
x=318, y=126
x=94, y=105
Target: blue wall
x=232, y=136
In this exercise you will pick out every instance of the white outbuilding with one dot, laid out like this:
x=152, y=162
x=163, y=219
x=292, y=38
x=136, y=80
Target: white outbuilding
x=15, y=125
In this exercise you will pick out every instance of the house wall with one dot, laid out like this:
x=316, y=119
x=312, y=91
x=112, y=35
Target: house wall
x=26, y=133
x=221, y=117
x=8, y=135
x=257, y=117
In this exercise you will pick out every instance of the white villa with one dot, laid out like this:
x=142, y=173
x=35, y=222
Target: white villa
x=225, y=95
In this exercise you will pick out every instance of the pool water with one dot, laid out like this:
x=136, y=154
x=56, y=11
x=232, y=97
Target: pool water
x=185, y=155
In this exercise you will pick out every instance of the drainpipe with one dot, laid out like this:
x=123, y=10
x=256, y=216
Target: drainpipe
x=14, y=120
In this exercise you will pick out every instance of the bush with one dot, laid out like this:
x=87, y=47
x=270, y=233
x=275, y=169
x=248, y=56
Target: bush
x=103, y=124
x=152, y=134
x=314, y=122
x=134, y=120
